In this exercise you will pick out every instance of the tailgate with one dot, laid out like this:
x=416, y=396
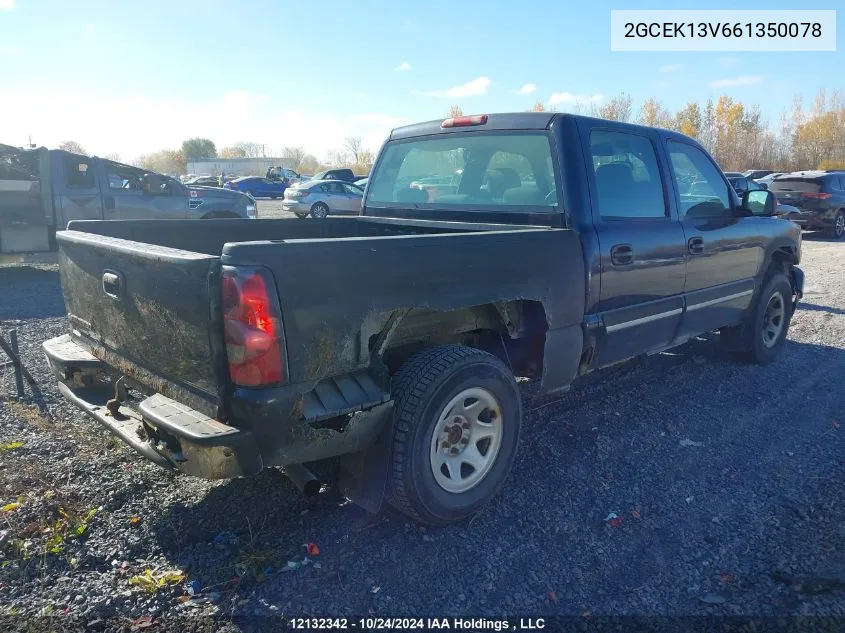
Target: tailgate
x=146, y=310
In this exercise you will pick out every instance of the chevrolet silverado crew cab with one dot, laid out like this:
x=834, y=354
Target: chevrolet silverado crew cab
x=42, y=190
x=562, y=244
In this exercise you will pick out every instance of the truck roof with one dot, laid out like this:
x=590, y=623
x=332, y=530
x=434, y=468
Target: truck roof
x=507, y=121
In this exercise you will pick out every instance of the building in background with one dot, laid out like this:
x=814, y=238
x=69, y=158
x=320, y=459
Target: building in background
x=232, y=166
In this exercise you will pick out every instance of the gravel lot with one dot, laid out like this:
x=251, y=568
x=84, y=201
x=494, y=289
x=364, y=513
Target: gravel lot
x=727, y=478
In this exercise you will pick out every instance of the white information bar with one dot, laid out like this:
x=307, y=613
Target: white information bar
x=728, y=30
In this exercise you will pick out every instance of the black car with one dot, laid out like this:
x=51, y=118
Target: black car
x=743, y=183
x=346, y=175
x=754, y=174
x=819, y=197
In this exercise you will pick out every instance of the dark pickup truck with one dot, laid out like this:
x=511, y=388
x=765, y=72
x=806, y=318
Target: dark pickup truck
x=393, y=338
x=42, y=190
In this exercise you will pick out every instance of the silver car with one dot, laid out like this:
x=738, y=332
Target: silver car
x=319, y=198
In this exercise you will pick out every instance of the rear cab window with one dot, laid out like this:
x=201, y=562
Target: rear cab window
x=476, y=171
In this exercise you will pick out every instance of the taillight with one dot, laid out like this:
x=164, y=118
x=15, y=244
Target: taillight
x=252, y=327
x=817, y=196
x=465, y=121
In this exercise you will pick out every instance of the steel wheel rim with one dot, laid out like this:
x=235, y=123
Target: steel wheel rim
x=773, y=319
x=466, y=440
x=840, y=225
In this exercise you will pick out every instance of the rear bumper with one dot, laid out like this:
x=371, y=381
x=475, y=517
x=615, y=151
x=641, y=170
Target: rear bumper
x=162, y=430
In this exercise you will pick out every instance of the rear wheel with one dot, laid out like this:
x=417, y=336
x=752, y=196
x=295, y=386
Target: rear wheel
x=319, y=211
x=838, y=230
x=761, y=338
x=457, y=415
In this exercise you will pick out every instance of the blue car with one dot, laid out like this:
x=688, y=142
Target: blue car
x=258, y=187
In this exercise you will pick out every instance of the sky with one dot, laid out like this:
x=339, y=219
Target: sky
x=136, y=77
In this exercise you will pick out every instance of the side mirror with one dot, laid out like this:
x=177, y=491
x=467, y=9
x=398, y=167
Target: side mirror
x=760, y=202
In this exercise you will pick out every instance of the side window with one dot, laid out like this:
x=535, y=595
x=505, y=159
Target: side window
x=353, y=190
x=701, y=188
x=122, y=177
x=78, y=173
x=627, y=178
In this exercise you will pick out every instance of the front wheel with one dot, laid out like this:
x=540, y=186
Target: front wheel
x=762, y=337
x=319, y=211
x=457, y=415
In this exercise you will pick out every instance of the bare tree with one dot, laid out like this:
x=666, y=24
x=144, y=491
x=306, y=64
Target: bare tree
x=232, y=151
x=114, y=157
x=617, y=109
x=454, y=111
x=294, y=157
x=72, y=146
x=251, y=150
x=353, y=145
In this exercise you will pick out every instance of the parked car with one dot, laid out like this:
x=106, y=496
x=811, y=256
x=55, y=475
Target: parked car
x=742, y=184
x=756, y=174
x=283, y=174
x=203, y=181
x=42, y=190
x=321, y=198
x=336, y=174
x=258, y=187
x=393, y=338
x=765, y=181
x=819, y=197
x=362, y=183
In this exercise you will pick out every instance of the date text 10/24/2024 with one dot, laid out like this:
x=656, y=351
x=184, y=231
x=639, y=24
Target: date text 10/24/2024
x=410, y=624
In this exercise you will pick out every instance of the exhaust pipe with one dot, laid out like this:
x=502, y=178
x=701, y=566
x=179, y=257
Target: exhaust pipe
x=303, y=479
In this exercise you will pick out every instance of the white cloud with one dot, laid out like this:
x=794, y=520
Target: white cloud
x=728, y=61
x=7, y=5
x=99, y=123
x=472, y=88
x=567, y=97
x=527, y=89
x=403, y=67
x=10, y=51
x=671, y=68
x=736, y=82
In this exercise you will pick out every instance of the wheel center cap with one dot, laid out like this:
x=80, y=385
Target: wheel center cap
x=455, y=434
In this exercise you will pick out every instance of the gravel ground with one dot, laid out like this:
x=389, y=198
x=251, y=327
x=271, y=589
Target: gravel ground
x=727, y=480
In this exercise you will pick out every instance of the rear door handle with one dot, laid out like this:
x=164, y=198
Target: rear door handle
x=695, y=245
x=621, y=254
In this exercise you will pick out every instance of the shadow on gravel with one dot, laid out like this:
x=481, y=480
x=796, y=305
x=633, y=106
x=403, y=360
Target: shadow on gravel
x=819, y=236
x=817, y=308
x=723, y=475
x=30, y=292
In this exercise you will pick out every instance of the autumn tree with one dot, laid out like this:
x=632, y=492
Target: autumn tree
x=688, y=120
x=538, y=107
x=617, y=109
x=166, y=161
x=232, y=151
x=198, y=148
x=72, y=146
x=454, y=112
x=654, y=114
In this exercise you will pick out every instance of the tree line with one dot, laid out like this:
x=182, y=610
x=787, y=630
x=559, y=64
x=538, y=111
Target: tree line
x=735, y=133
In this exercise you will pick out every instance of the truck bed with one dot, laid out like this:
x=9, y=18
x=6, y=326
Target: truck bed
x=144, y=295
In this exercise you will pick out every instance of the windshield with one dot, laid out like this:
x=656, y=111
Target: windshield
x=468, y=170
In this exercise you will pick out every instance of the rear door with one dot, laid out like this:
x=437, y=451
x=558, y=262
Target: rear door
x=125, y=198
x=723, y=251
x=76, y=188
x=641, y=241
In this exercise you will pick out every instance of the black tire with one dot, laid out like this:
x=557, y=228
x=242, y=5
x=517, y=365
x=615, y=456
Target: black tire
x=319, y=211
x=838, y=230
x=422, y=389
x=754, y=341
x=301, y=216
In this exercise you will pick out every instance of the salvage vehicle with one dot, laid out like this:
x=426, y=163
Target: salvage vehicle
x=819, y=198
x=393, y=338
x=42, y=190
